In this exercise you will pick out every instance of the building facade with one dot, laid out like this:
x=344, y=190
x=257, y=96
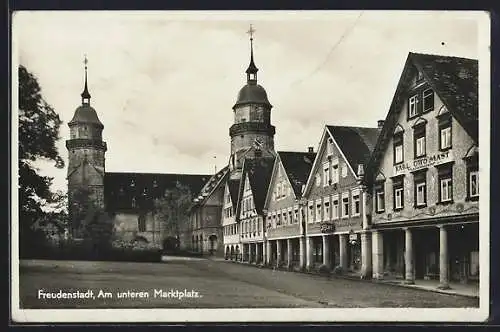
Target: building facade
x=423, y=175
x=249, y=212
x=334, y=200
x=231, y=229
x=284, y=233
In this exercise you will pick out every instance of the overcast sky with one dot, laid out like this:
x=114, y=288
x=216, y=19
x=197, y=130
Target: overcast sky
x=164, y=83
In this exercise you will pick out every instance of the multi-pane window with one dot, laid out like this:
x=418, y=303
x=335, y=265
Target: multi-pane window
x=412, y=106
x=345, y=205
x=318, y=211
x=445, y=176
x=397, y=185
x=420, y=184
x=311, y=212
x=380, y=197
x=285, y=220
x=472, y=177
x=344, y=170
x=326, y=175
x=326, y=215
x=428, y=99
x=290, y=217
x=474, y=184
x=335, y=208
x=398, y=148
x=329, y=147
x=445, y=132
x=296, y=215
x=335, y=173
x=318, y=180
x=355, y=203
x=419, y=137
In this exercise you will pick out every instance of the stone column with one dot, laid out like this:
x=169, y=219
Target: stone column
x=377, y=255
x=242, y=252
x=278, y=252
x=302, y=252
x=343, y=251
x=257, y=253
x=409, y=277
x=268, y=252
x=326, y=251
x=366, y=255
x=443, y=258
x=309, y=252
x=289, y=252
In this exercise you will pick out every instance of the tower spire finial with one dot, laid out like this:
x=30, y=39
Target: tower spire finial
x=85, y=94
x=252, y=68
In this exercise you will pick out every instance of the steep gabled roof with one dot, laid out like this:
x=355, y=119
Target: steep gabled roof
x=297, y=166
x=453, y=79
x=259, y=171
x=356, y=143
x=233, y=186
x=120, y=187
x=211, y=185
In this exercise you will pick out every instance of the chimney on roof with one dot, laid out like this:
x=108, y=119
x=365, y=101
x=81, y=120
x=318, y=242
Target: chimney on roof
x=310, y=149
x=380, y=124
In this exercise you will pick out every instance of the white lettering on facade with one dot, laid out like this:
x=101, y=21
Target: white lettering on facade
x=416, y=164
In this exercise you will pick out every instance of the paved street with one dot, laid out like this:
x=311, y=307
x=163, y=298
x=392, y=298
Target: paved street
x=209, y=284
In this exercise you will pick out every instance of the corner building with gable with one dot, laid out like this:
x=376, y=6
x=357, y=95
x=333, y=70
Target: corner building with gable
x=423, y=175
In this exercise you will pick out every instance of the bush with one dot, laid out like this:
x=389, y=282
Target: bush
x=338, y=270
x=324, y=269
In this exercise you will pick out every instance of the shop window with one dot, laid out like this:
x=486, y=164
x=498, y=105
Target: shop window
x=445, y=176
x=317, y=250
x=398, y=148
x=445, y=138
x=420, y=188
x=419, y=140
x=380, y=197
x=398, y=193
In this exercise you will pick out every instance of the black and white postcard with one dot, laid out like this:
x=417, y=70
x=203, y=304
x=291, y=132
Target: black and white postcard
x=250, y=166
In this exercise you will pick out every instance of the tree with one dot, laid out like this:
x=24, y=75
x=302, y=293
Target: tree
x=38, y=133
x=173, y=209
x=98, y=230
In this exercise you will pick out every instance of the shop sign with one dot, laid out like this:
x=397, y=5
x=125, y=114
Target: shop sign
x=427, y=161
x=326, y=227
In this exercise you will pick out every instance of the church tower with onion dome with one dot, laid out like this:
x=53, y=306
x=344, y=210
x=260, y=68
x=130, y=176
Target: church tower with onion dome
x=252, y=134
x=86, y=166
